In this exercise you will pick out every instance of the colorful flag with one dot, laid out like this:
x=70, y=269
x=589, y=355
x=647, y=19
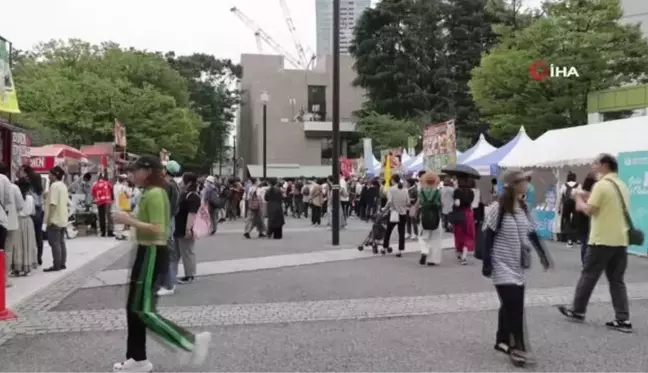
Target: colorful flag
x=119, y=133
x=388, y=170
x=8, y=98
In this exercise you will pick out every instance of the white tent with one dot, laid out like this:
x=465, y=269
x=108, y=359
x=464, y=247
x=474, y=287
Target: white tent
x=580, y=145
x=485, y=165
x=477, y=151
x=405, y=157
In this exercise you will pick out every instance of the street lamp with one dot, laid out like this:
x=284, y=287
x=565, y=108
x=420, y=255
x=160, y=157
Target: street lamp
x=335, y=211
x=264, y=99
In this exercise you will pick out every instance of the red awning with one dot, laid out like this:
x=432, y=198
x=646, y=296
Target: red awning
x=57, y=151
x=98, y=150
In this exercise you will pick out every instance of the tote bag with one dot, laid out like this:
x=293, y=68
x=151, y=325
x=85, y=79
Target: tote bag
x=202, y=225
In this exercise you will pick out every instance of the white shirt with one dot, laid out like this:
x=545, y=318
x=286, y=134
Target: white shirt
x=476, y=198
x=358, y=188
x=344, y=191
x=28, y=207
x=16, y=204
x=5, y=199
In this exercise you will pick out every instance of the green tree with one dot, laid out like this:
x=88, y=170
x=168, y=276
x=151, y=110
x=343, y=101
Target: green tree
x=399, y=59
x=386, y=131
x=585, y=34
x=73, y=91
x=210, y=97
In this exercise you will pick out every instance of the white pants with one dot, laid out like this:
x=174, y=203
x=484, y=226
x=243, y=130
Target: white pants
x=430, y=243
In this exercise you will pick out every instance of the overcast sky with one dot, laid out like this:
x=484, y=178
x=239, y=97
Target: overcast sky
x=186, y=27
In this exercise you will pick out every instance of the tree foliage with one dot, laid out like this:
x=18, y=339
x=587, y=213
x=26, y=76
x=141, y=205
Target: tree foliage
x=386, y=131
x=211, y=98
x=579, y=33
x=72, y=92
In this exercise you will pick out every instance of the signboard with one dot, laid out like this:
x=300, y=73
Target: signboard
x=439, y=146
x=20, y=151
x=8, y=98
x=633, y=170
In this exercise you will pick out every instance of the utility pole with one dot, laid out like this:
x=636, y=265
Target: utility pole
x=335, y=210
x=264, y=99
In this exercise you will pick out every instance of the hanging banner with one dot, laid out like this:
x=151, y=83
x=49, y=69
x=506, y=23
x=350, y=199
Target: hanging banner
x=633, y=170
x=346, y=166
x=8, y=98
x=439, y=146
x=411, y=146
x=119, y=134
x=367, y=155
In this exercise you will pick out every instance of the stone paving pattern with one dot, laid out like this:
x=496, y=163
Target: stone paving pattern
x=374, y=314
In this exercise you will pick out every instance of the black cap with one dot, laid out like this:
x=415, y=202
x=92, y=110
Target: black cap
x=58, y=172
x=147, y=161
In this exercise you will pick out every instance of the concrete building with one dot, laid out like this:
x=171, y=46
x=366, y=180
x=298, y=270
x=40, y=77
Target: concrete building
x=298, y=114
x=350, y=12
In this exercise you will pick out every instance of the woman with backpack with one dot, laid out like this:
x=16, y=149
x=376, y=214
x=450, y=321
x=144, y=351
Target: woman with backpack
x=429, y=202
x=509, y=232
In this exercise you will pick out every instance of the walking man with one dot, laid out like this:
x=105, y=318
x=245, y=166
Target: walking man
x=608, y=239
x=56, y=218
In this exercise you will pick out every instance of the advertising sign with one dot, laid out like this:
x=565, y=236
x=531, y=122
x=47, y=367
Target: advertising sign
x=633, y=170
x=439, y=146
x=8, y=98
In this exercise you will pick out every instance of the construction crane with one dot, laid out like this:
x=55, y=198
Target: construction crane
x=259, y=42
x=267, y=39
x=301, y=53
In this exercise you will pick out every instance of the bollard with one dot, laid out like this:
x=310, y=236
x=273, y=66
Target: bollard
x=5, y=313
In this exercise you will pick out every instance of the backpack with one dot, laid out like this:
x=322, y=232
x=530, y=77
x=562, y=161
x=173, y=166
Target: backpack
x=305, y=190
x=253, y=204
x=214, y=199
x=569, y=205
x=430, y=210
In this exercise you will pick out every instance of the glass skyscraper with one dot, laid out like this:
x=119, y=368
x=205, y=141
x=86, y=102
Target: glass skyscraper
x=350, y=12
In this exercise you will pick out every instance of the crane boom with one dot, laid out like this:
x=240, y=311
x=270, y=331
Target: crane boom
x=258, y=41
x=293, y=32
x=266, y=38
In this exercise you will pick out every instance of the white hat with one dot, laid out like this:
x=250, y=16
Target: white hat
x=210, y=179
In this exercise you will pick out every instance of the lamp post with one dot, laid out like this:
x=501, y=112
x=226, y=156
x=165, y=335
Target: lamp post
x=335, y=211
x=264, y=99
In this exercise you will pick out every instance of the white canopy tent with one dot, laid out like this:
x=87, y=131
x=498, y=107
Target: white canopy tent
x=480, y=149
x=486, y=164
x=577, y=146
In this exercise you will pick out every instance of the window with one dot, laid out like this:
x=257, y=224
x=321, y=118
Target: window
x=327, y=150
x=317, y=101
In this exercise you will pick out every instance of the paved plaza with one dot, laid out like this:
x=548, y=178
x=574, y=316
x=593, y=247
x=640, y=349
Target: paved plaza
x=300, y=304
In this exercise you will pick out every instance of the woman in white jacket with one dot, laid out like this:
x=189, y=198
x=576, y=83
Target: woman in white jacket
x=24, y=239
x=14, y=244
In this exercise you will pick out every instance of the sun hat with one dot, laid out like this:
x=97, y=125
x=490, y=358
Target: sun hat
x=513, y=176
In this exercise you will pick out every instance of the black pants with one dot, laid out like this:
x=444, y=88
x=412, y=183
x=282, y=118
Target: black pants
x=105, y=220
x=276, y=233
x=510, y=324
x=402, y=222
x=150, y=263
x=370, y=211
x=346, y=208
x=316, y=214
x=37, y=218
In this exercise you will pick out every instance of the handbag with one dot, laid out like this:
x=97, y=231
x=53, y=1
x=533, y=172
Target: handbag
x=635, y=236
x=394, y=217
x=456, y=216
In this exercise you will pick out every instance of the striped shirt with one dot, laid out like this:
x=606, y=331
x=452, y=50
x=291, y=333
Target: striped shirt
x=507, y=249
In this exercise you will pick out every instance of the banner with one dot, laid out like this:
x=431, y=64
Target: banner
x=633, y=170
x=367, y=155
x=439, y=146
x=119, y=133
x=346, y=166
x=8, y=98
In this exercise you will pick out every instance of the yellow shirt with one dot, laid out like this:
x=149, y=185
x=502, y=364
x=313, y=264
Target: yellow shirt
x=608, y=225
x=56, y=205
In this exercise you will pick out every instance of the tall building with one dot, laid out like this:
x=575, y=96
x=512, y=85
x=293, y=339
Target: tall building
x=350, y=12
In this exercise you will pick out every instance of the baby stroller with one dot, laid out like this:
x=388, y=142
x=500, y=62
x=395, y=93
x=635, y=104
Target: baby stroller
x=377, y=233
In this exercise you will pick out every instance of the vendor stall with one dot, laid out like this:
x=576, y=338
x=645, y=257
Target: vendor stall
x=44, y=158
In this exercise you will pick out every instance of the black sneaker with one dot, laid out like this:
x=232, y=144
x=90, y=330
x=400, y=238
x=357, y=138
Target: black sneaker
x=571, y=315
x=246, y=235
x=261, y=235
x=423, y=259
x=622, y=326
x=186, y=280
x=502, y=347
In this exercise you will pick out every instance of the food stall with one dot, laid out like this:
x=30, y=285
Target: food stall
x=44, y=158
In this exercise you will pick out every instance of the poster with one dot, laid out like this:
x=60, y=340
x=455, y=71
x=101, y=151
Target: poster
x=20, y=151
x=633, y=170
x=8, y=98
x=439, y=146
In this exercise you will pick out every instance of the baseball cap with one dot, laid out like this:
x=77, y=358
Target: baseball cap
x=513, y=176
x=173, y=167
x=210, y=179
x=147, y=161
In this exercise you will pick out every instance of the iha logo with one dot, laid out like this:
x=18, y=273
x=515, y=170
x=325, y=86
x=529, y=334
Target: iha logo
x=541, y=70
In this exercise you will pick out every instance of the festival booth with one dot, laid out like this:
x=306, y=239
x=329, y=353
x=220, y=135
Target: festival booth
x=42, y=159
x=573, y=149
x=487, y=165
x=416, y=164
x=480, y=149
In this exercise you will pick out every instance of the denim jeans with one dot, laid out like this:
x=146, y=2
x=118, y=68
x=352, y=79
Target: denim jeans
x=169, y=280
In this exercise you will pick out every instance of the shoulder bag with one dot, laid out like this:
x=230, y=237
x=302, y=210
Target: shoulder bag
x=635, y=236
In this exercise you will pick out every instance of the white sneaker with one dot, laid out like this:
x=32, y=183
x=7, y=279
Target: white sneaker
x=131, y=365
x=164, y=291
x=201, y=348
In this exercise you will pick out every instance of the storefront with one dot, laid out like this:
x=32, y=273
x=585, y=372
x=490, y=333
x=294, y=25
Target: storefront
x=13, y=138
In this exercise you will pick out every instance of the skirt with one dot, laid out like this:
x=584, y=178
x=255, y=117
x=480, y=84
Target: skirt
x=464, y=232
x=23, y=245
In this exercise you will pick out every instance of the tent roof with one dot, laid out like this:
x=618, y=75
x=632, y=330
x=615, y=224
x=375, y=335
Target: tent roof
x=289, y=171
x=580, y=145
x=494, y=157
x=480, y=149
x=57, y=151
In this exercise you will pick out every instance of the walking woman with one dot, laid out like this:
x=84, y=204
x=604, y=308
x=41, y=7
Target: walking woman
x=509, y=236
x=183, y=238
x=413, y=210
x=36, y=191
x=397, y=203
x=430, y=209
x=151, y=225
x=463, y=219
x=580, y=221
